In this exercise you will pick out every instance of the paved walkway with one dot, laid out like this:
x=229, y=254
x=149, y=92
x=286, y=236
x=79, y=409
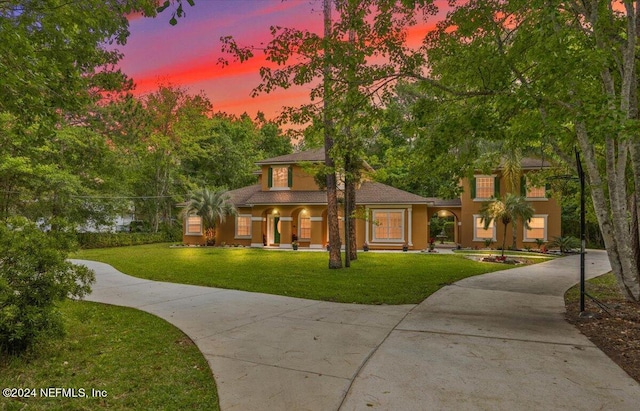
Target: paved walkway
x=492, y=342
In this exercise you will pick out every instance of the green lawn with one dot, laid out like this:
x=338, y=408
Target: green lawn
x=604, y=287
x=140, y=361
x=375, y=278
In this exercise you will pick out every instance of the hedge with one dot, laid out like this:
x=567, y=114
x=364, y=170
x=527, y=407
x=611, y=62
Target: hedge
x=104, y=240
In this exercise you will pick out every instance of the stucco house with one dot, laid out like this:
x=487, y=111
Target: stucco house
x=286, y=204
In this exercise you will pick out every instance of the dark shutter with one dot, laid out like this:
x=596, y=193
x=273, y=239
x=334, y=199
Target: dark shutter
x=523, y=186
x=270, y=178
x=473, y=187
x=496, y=187
x=290, y=177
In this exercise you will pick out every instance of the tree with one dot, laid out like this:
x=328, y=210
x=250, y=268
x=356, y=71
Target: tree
x=213, y=206
x=508, y=211
x=563, y=73
x=34, y=277
x=228, y=149
x=171, y=126
x=55, y=55
x=360, y=55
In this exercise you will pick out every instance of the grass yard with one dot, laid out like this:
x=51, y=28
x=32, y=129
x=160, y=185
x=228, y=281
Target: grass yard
x=375, y=278
x=140, y=361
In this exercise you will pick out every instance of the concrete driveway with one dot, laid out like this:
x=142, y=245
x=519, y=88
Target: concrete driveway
x=493, y=342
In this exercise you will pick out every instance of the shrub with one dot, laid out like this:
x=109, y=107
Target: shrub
x=565, y=244
x=34, y=277
x=104, y=240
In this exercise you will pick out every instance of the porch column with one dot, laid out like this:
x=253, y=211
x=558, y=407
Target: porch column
x=316, y=232
x=285, y=232
x=410, y=239
x=256, y=232
x=367, y=223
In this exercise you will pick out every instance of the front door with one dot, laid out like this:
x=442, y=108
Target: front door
x=273, y=230
x=276, y=230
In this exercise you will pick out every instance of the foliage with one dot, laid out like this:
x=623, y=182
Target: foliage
x=564, y=244
x=228, y=149
x=56, y=56
x=550, y=76
x=169, y=143
x=51, y=177
x=375, y=278
x=34, y=278
x=213, y=206
x=103, y=240
x=141, y=361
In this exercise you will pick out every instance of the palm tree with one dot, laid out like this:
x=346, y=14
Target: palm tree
x=213, y=206
x=512, y=209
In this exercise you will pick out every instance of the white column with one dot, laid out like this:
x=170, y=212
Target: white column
x=410, y=210
x=367, y=222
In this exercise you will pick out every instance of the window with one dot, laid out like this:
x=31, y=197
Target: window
x=304, y=226
x=537, y=229
x=485, y=187
x=194, y=225
x=536, y=192
x=479, y=232
x=530, y=191
x=389, y=225
x=243, y=226
x=279, y=178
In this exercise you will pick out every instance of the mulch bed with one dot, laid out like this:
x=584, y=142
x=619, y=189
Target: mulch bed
x=616, y=333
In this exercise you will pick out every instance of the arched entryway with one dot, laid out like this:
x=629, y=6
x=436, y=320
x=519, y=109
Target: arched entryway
x=444, y=227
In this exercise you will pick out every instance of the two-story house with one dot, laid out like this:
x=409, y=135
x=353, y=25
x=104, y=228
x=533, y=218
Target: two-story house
x=287, y=204
x=545, y=224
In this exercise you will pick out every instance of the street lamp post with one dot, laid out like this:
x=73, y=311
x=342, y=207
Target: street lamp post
x=583, y=240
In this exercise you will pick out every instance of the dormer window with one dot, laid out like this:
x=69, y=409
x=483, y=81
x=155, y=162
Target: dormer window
x=280, y=178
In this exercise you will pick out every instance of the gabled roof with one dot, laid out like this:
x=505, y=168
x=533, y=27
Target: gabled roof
x=314, y=155
x=371, y=192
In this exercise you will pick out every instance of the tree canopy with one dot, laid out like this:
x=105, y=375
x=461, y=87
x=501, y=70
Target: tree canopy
x=549, y=77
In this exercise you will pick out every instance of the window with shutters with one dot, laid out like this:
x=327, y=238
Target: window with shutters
x=280, y=178
x=535, y=192
x=485, y=187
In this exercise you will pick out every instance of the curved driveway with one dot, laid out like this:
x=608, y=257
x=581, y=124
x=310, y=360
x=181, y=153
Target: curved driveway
x=496, y=342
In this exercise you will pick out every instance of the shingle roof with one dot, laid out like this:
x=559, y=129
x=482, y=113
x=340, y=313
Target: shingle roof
x=439, y=202
x=288, y=197
x=240, y=196
x=529, y=163
x=368, y=193
x=377, y=193
x=314, y=155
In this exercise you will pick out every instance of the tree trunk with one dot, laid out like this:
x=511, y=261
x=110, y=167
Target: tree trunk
x=624, y=266
x=335, y=257
x=617, y=220
x=353, y=245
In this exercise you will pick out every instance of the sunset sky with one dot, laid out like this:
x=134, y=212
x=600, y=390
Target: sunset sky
x=186, y=55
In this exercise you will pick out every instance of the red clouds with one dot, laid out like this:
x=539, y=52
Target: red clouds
x=187, y=54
